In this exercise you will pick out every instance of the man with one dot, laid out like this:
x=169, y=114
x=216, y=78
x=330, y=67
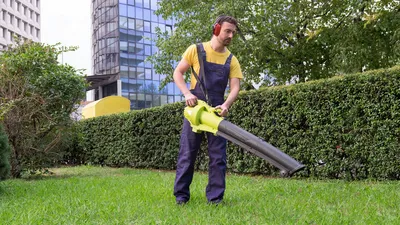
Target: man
x=220, y=66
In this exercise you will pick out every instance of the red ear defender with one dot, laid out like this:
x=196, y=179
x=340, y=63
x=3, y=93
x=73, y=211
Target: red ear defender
x=216, y=29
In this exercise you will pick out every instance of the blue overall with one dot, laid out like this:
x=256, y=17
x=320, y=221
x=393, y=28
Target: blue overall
x=217, y=77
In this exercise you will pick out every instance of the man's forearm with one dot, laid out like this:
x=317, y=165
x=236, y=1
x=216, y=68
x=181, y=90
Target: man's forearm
x=232, y=97
x=180, y=82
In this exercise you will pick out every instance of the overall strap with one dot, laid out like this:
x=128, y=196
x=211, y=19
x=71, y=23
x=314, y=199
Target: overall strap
x=201, y=54
x=228, y=60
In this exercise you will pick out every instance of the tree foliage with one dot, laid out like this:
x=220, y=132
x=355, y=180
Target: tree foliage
x=289, y=40
x=37, y=97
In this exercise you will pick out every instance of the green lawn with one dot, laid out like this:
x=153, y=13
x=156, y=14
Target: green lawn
x=94, y=195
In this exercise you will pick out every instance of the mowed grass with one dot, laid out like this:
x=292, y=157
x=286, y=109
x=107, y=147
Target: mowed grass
x=98, y=195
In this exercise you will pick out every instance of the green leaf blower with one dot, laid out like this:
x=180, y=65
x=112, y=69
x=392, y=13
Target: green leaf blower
x=203, y=117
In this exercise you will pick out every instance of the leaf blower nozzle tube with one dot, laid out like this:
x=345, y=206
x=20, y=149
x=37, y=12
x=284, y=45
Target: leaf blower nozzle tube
x=260, y=148
x=202, y=117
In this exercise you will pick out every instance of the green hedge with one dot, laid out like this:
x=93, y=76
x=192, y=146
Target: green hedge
x=346, y=127
x=4, y=155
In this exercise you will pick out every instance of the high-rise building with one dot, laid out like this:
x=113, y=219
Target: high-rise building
x=122, y=38
x=19, y=18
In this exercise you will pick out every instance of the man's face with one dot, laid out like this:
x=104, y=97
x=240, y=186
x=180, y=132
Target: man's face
x=226, y=34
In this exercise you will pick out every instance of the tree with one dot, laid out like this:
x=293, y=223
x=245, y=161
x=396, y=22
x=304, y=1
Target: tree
x=289, y=40
x=4, y=155
x=38, y=97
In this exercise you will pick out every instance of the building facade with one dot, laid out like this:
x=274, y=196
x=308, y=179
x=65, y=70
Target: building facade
x=19, y=18
x=122, y=39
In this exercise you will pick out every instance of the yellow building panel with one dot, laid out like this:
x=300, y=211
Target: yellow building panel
x=106, y=106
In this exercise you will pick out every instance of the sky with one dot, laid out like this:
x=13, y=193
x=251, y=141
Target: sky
x=68, y=22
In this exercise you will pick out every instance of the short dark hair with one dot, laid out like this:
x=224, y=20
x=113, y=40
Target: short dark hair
x=229, y=19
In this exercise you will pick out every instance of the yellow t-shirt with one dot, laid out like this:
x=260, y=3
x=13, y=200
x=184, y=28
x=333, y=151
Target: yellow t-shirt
x=212, y=56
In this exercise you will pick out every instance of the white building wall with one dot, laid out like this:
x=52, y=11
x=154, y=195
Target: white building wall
x=20, y=18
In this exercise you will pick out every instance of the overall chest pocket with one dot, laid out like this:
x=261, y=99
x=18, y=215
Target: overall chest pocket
x=218, y=78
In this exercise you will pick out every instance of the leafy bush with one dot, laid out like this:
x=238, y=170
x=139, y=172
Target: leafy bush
x=38, y=96
x=345, y=127
x=4, y=155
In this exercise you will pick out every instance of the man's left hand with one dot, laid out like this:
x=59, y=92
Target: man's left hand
x=224, y=110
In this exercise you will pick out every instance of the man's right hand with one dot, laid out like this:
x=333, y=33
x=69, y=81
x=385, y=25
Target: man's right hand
x=190, y=99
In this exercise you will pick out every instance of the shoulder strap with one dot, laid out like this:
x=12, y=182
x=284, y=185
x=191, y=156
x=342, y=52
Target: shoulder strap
x=201, y=54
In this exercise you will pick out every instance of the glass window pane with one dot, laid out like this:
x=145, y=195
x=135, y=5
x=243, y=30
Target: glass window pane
x=125, y=86
x=139, y=86
x=147, y=74
x=123, y=46
x=146, y=3
x=163, y=99
x=170, y=87
x=125, y=94
x=123, y=10
x=156, y=76
x=131, y=23
x=139, y=25
x=154, y=17
x=147, y=26
x=147, y=38
x=131, y=2
x=153, y=27
x=177, y=91
x=131, y=11
x=139, y=49
x=139, y=13
x=123, y=22
x=132, y=72
x=170, y=99
x=146, y=14
x=123, y=1
x=147, y=50
x=156, y=100
x=139, y=3
x=153, y=4
x=140, y=73
x=149, y=100
x=123, y=72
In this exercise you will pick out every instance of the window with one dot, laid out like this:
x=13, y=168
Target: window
x=147, y=26
x=153, y=4
x=139, y=3
x=37, y=17
x=11, y=19
x=139, y=25
x=123, y=22
x=147, y=74
x=146, y=14
x=37, y=33
x=147, y=50
x=131, y=23
x=123, y=10
x=139, y=13
x=146, y=4
x=131, y=11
